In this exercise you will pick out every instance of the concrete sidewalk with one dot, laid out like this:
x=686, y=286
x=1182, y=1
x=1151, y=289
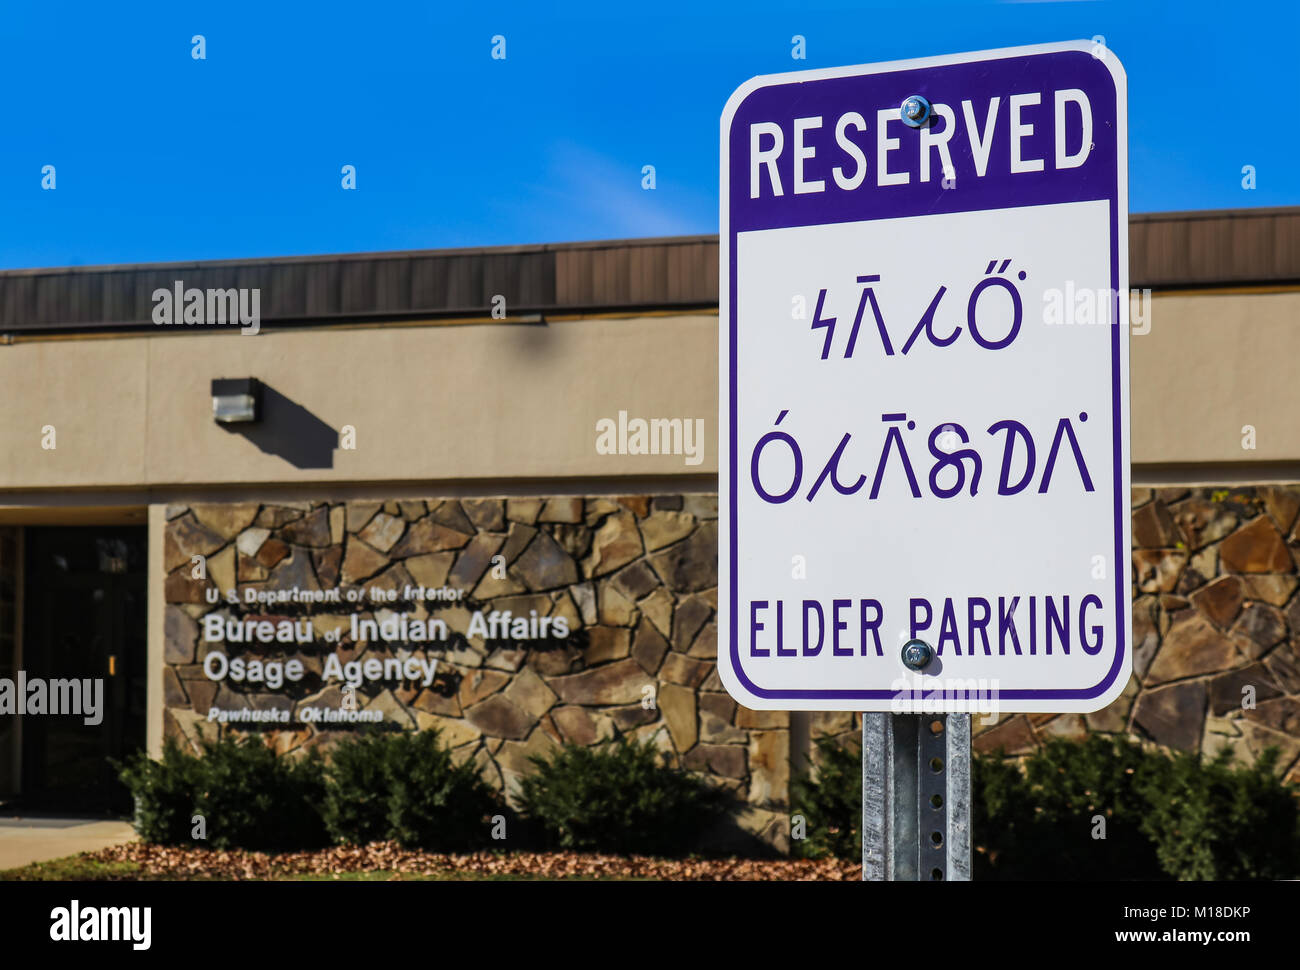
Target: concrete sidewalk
x=38, y=839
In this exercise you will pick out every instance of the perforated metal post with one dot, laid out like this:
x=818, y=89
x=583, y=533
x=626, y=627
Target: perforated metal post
x=916, y=797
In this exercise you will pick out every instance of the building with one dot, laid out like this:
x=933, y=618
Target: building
x=456, y=429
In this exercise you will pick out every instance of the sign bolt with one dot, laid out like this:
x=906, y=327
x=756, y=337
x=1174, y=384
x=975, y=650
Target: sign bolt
x=915, y=111
x=917, y=654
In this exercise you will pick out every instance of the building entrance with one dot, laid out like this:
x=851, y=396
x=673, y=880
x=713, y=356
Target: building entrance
x=84, y=619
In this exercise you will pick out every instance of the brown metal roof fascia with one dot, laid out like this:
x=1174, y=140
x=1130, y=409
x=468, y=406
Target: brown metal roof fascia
x=681, y=273
x=1215, y=248
x=676, y=272
x=1167, y=250
x=312, y=289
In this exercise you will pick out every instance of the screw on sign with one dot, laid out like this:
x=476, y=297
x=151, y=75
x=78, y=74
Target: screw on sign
x=917, y=654
x=916, y=111
x=955, y=535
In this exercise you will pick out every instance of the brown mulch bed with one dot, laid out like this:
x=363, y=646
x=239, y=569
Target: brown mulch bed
x=166, y=861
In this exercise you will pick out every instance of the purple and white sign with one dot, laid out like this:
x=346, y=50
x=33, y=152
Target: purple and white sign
x=924, y=396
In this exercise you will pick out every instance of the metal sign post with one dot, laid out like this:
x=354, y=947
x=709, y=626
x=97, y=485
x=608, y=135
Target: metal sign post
x=916, y=789
x=916, y=797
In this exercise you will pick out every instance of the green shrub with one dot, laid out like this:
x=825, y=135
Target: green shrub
x=831, y=804
x=406, y=787
x=380, y=786
x=433, y=803
x=355, y=807
x=617, y=797
x=164, y=791
x=1179, y=817
x=255, y=800
x=249, y=798
x=1040, y=824
x=1209, y=820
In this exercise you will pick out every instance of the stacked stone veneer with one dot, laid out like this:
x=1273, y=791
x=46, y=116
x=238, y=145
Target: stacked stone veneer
x=1216, y=630
x=1216, y=610
x=635, y=576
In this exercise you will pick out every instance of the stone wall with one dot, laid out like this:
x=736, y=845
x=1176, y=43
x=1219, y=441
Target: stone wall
x=1216, y=630
x=634, y=576
x=1215, y=611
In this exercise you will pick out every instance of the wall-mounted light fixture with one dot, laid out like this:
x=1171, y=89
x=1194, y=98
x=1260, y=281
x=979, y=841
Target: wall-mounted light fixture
x=236, y=400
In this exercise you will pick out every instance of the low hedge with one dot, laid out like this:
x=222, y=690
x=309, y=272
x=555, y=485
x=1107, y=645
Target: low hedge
x=617, y=797
x=406, y=787
x=1165, y=816
x=613, y=797
x=248, y=798
x=377, y=786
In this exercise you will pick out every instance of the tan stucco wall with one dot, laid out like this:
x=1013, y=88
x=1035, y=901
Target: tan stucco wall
x=1210, y=365
x=428, y=403
x=94, y=394
x=448, y=403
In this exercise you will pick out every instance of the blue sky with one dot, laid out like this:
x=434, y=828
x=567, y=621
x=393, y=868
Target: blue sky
x=161, y=157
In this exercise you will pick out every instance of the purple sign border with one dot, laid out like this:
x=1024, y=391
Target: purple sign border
x=1117, y=196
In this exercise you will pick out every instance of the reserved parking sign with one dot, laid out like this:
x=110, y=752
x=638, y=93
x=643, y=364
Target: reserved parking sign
x=924, y=384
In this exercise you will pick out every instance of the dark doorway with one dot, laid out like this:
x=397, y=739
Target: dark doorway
x=84, y=617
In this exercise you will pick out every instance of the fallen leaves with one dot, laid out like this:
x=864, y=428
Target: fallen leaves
x=176, y=862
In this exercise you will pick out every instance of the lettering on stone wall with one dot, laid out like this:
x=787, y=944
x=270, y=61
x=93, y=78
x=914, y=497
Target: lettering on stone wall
x=388, y=627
